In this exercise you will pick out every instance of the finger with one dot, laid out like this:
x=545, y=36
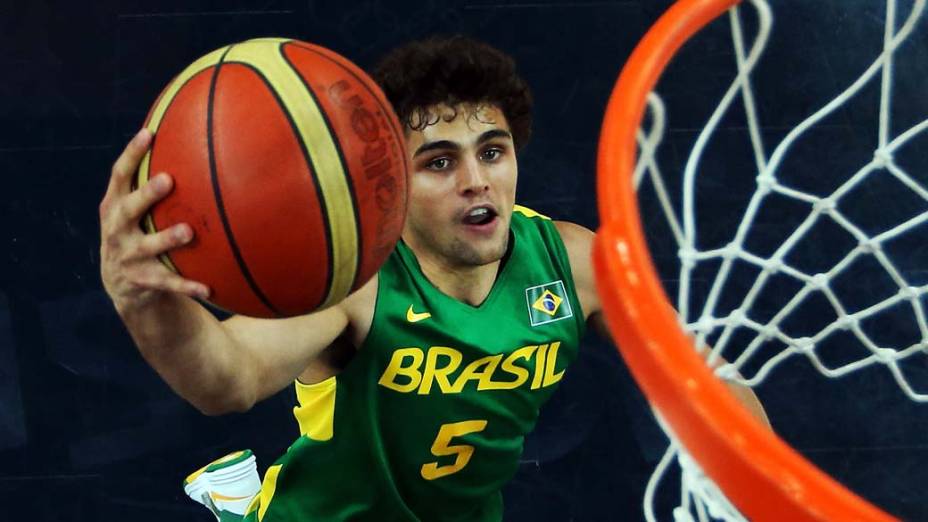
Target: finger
x=180, y=285
x=138, y=202
x=152, y=245
x=164, y=280
x=128, y=163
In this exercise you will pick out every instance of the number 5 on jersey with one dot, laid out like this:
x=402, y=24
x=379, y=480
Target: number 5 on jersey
x=442, y=448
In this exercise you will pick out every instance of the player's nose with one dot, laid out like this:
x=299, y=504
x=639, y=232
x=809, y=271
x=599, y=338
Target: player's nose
x=473, y=178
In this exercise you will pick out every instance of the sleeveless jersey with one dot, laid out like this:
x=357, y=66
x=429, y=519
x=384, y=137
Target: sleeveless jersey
x=427, y=421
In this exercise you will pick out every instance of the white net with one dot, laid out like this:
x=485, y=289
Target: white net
x=819, y=257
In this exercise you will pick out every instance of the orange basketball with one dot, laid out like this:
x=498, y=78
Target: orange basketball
x=289, y=164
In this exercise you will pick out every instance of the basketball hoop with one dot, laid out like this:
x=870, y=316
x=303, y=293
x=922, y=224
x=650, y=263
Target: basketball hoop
x=762, y=476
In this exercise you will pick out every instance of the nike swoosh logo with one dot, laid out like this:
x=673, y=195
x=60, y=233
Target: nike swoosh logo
x=220, y=497
x=413, y=317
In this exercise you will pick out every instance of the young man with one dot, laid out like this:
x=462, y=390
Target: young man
x=456, y=343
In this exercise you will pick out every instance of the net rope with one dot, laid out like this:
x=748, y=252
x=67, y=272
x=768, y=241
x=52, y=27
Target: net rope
x=712, y=326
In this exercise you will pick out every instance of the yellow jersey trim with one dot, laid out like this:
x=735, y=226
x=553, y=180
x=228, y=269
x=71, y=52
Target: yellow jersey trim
x=529, y=213
x=253, y=505
x=315, y=413
x=268, y=488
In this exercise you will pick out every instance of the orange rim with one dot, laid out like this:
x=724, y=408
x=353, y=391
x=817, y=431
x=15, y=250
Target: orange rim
x=763, y=476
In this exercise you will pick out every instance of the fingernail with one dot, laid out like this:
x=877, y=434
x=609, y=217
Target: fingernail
x=160, y=182
x=203, y=293
x=183, y=233
x=140, y=136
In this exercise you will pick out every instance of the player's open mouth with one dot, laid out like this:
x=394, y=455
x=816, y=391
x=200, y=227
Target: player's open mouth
x=480, y=217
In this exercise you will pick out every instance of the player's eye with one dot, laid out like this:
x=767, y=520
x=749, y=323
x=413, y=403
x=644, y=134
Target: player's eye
x=440, y=163
x=491, y=154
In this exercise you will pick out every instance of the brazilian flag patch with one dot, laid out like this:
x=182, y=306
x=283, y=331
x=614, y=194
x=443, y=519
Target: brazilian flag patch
x=547, y=303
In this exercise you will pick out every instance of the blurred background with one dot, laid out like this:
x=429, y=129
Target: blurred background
x=89, y=432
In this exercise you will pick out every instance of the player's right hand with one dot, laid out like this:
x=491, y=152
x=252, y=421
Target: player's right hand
x=132, y=274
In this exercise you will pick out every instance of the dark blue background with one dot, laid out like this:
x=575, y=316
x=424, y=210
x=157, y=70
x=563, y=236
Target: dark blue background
x=89, y=432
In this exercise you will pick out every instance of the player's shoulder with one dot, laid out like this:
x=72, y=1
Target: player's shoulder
x=567, y=230
x=359, y=307
x=574, y=235
x=578, y=242
x=367, y=293
x=577, y=239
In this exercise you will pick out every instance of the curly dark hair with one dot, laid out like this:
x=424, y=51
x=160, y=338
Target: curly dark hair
x=454, y=70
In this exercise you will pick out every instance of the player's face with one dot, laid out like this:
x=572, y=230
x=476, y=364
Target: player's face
x=462, y=185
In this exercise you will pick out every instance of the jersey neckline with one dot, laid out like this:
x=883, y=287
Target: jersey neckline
x=502, y=274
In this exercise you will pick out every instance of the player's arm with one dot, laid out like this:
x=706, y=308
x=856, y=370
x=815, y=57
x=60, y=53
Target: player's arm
x=217, y=366
x=578, y=241
x=280, y=350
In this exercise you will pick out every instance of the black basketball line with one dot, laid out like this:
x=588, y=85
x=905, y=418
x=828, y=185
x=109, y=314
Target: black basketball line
x=363, y=83
x=151, y=158
x=217, y=192
x=399, y=139
x=341, y=158
x=309, y=162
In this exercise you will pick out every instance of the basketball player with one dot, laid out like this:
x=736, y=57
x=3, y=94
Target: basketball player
x=453, y=346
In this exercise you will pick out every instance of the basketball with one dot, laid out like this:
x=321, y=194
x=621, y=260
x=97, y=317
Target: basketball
x=289, y=164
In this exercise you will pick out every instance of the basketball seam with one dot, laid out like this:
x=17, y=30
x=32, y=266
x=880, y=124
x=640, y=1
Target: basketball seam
x=321, y=145
x=320, y=196
x=151, y=217
x=396, y=132
x=217, y=192
x=387, y=110
x=345, y=168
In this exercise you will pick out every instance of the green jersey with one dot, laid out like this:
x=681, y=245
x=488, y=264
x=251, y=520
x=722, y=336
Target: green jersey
x=427, y=421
